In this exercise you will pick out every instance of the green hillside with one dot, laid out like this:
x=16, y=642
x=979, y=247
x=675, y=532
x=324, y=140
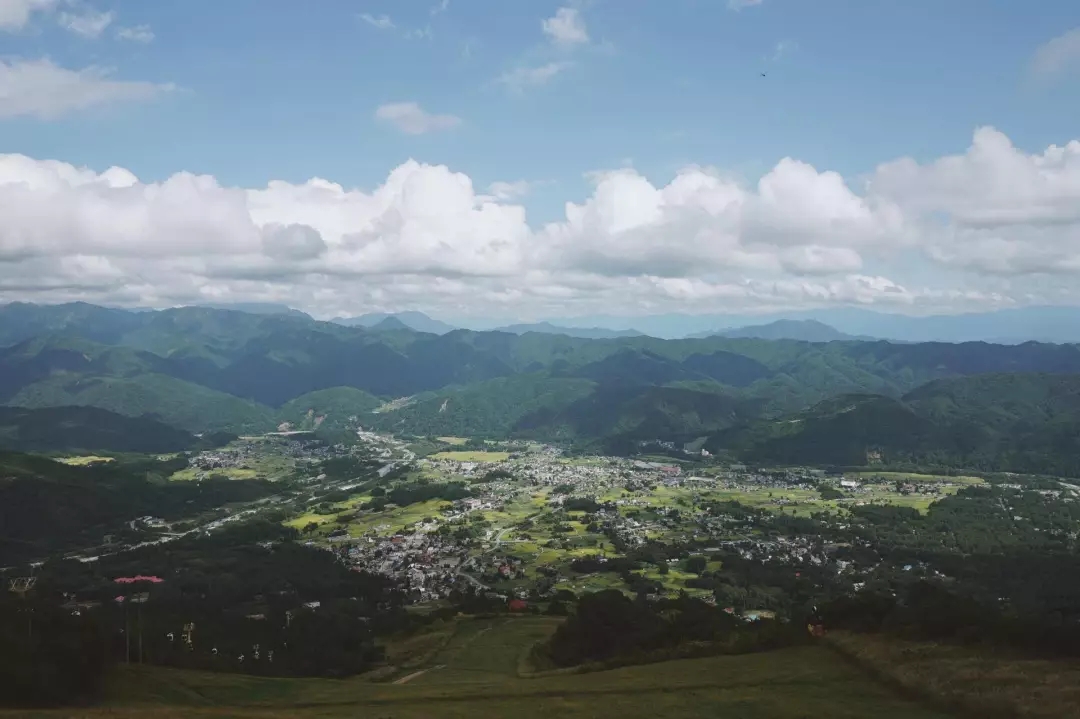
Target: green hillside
x=87, y=428
x=1020, y=422
x=336, y=408
x=476, y=674
x=178, y=403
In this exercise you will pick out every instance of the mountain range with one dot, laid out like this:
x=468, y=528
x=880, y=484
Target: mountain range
x=201, y=370
x=802, y=330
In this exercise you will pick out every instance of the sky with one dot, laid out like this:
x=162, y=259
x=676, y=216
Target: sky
x=527, y=159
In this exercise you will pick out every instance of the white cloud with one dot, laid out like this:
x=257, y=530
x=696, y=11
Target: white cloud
x=411, y=119
x=382, y=22
x=566, y=27
x=42, y=89
x=740, y=4
x=1058, y=56
x=16, y=14
x=88, y=22
x=521, y=78
x=989, y=227
x=139, y=33
x=994, y=209
x=783, y=49
x=440, y=7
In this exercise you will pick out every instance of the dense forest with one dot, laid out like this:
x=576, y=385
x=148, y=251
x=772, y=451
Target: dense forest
x=849, y=402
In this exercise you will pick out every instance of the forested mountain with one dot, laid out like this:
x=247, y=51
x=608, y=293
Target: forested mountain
x=88, y=428
x=1010, y=422
x=200, y=369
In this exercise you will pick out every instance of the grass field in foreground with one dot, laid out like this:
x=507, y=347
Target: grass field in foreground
x=980, y=681
x=475, y=675
x=473, y=456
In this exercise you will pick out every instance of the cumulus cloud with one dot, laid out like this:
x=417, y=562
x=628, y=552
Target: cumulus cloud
x=411, y=119
x=566, y=27
x=991, y=226
x=42, y=89
x=16, y=14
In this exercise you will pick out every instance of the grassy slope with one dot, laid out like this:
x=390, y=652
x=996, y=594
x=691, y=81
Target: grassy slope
x=479, y=678
x=976, y=681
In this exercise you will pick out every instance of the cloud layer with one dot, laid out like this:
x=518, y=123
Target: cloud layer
x=991, y=226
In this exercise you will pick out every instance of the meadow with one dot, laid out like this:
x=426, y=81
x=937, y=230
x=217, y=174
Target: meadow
x=480, y=670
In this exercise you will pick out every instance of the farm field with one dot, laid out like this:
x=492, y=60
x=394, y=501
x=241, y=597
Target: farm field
x=477, y=673
x=84, y=461
x=476, y=456
x=191, y=474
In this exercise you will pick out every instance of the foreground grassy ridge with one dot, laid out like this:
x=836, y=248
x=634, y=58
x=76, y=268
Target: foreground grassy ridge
x=475, y=674
x=973, y=681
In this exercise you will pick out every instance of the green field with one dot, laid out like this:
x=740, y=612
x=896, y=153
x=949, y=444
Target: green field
x=478, y=672
x=480, y=456
x=916, y=477
x=453, y=440
x=191, y=473
x=84, y=461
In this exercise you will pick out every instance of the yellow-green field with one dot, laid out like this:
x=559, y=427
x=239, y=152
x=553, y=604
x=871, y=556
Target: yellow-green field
x=84, y=461
x=481, y=670
x=392, y=521
x=916, y=478
x=191, y=473
x=473, y=456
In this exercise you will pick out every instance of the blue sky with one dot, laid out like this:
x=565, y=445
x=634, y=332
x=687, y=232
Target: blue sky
x=253, y=91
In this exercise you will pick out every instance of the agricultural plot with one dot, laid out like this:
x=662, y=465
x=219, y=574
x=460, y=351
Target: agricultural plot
x=85, y=461
x=477, y=456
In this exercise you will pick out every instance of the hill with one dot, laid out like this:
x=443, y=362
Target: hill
x=417, y=321
x=87, y=428
x=337, y=408
x=47, y=506
x=1022, y=422
x=476, y=673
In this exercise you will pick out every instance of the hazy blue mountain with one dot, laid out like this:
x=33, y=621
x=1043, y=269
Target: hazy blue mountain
x=257, y=308
x=589, y=333
x=412, y=320
x=802, y=330
x=1011, y=326
x=390, y=324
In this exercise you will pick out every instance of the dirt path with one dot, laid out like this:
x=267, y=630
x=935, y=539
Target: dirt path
x=409, y=677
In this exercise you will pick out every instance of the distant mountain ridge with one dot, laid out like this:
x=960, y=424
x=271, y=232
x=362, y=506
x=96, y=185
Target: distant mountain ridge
x=801, y=330
x=417, y=321
x=590, y=333
x=207, y=370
